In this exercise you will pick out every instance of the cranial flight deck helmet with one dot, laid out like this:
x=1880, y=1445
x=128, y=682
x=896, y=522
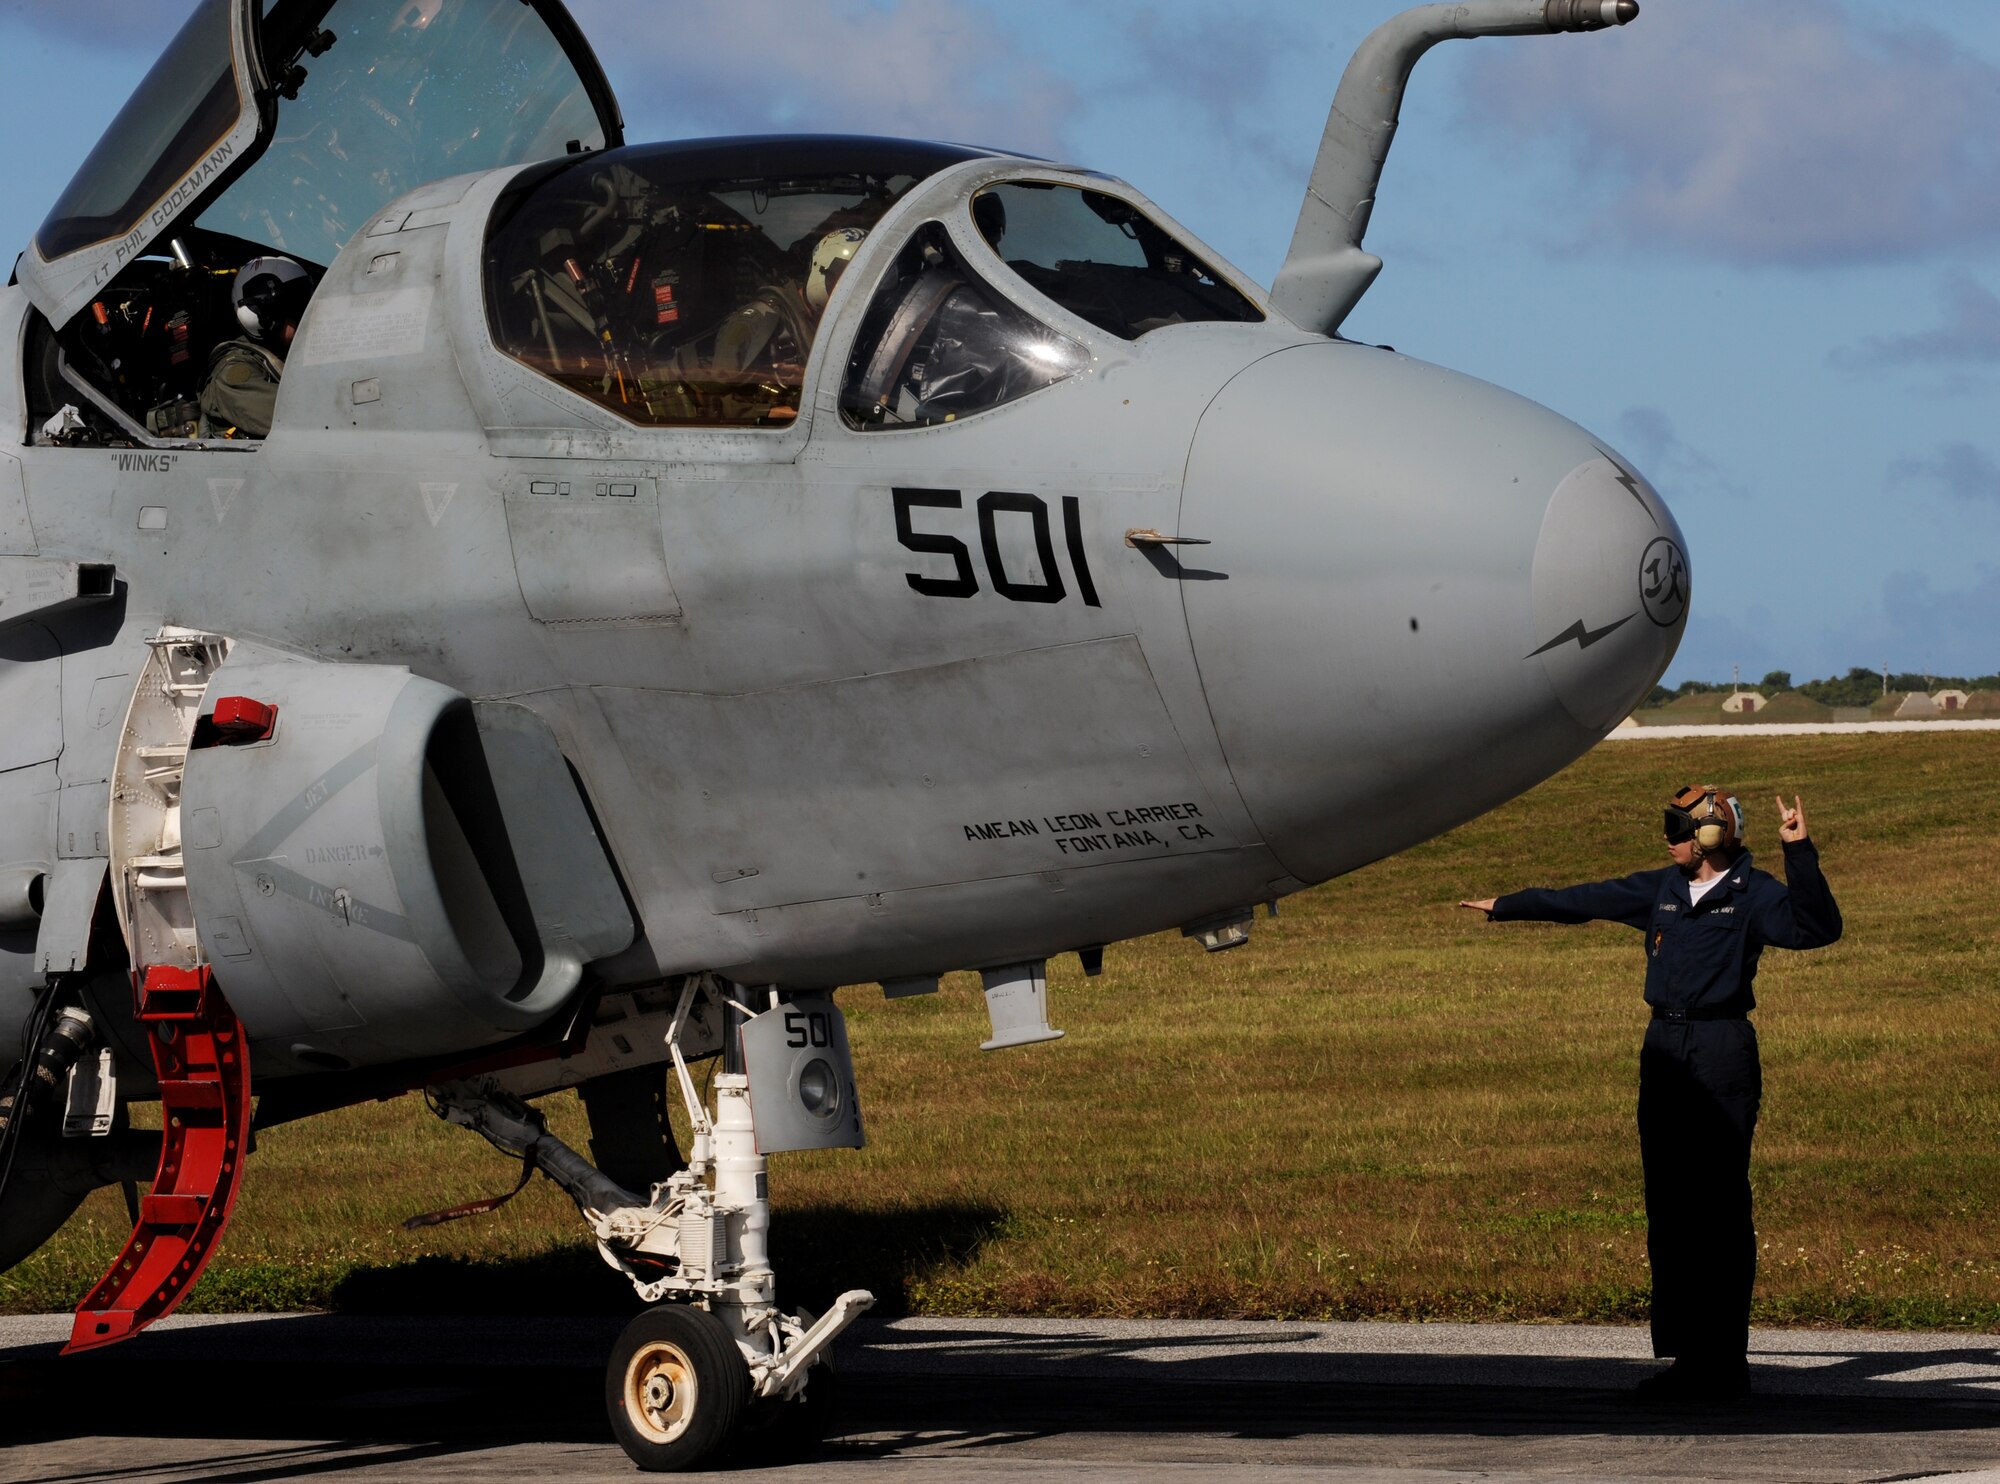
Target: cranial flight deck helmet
x=1707, y=815
x=829, y=261
x=270, y=293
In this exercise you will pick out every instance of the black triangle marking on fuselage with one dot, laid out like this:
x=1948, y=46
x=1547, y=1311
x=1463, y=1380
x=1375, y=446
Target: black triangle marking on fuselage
x=1584, y=637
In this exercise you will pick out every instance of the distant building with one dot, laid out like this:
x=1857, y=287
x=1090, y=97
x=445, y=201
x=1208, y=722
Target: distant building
x=1914, y=706
x=1700, y=707
x=1790, y=706
x=1951, y=700
x=1744, y=702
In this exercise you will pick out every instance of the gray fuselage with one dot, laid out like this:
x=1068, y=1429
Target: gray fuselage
x=1419, y=595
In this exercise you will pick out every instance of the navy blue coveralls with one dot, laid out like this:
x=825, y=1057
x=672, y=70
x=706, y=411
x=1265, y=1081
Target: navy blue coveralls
x=1699, y=1077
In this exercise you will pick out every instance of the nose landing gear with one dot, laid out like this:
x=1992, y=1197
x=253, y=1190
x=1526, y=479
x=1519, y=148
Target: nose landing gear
x=718, y=1366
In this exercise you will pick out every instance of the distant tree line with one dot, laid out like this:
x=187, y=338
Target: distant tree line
x=1858, y=687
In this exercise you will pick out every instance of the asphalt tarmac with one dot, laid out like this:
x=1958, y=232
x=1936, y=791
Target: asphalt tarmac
x=242, y=1400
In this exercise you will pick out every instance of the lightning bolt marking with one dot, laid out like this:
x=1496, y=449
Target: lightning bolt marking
x=1631, y=483
x=1584, y=637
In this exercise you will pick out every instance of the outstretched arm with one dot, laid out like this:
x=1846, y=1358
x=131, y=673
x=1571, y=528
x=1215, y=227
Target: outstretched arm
x=1629, y=901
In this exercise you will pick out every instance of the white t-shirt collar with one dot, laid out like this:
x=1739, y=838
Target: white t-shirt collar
x=1699, y=889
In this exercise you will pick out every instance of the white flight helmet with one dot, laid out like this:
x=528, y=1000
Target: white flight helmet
x=270, y=293
x=829, y=261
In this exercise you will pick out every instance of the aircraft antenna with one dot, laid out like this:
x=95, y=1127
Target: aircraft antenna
x=1326, y=272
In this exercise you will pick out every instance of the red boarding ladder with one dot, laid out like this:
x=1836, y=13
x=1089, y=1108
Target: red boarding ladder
x=204, y=1072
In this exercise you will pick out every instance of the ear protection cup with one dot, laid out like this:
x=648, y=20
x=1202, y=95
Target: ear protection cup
x=1717, y=817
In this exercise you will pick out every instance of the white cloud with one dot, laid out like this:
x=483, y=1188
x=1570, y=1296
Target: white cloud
x=1224, y=65
x=1721, y=638
x=1918, y=625
x=1668, y=459
x=1942, y=631
x=1767, y=133
x=1915, y=624
x=928, y=69
x=1966, y=472
x=142, y=26
x=1968, y=332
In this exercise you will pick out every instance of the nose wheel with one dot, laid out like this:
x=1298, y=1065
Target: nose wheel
x=676, y=1388
x=719, y=1369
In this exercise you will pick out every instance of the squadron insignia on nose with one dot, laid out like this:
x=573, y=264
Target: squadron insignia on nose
x=1663, y=582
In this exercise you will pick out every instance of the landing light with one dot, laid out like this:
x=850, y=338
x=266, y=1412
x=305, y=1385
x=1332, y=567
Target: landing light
x=819, y=1088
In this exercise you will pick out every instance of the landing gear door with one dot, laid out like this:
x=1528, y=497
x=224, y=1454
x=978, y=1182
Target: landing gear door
x=801, y=1074
x=193, y=125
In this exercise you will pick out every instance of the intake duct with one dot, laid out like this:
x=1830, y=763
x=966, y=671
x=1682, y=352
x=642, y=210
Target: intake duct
x=380, y=869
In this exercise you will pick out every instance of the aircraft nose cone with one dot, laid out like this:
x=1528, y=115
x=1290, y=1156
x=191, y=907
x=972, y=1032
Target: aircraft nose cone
x=1610, y=590
x=1423, y=595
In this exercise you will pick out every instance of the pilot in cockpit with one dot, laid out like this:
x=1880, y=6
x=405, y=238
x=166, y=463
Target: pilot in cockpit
x=241, y=392
x=774, y=331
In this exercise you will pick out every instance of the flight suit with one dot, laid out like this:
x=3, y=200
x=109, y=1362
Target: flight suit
x=760, y=354
x=241, y=392
x=1700, y=1081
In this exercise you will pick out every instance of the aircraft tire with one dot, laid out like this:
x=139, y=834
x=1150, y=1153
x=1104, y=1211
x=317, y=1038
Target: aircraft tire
x=676, y=1389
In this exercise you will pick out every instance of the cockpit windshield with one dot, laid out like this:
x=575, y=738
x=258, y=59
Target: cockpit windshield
x=1103, y=259
x=938, y=345
x=402, y=92
x=681, y=284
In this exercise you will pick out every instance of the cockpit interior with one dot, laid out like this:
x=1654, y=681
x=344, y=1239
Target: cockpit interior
x=674, y=283
x=681, y=284
x=275, y=127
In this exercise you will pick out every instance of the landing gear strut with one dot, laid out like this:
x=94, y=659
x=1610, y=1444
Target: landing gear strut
x=717, y=1363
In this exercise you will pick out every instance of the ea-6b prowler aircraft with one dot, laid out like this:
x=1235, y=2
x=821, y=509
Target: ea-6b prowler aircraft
x=678, y=580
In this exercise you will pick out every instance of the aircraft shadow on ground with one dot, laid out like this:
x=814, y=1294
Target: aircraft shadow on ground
x=1226, y=1391
x=383, y=1390
x=819, y=1252
x=417, y=1392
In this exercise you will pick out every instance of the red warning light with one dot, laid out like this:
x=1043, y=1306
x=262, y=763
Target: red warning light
x=239, y=719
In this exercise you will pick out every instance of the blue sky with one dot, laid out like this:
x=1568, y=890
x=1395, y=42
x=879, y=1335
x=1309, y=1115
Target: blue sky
x=1756, y=247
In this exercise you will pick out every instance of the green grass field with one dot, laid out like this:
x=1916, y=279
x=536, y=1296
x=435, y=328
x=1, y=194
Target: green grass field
x=1382, y=1107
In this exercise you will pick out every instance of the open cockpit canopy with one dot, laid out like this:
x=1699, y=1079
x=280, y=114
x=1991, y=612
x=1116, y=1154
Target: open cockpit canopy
x=287, y=124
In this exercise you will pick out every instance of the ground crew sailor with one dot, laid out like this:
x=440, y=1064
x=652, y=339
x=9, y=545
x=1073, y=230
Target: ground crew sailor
x=241, y=392
x=1706, y=918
